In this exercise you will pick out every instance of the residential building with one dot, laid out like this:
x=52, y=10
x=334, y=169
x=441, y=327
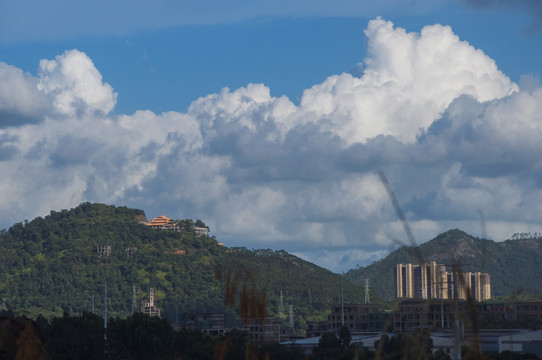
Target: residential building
x=433, y=281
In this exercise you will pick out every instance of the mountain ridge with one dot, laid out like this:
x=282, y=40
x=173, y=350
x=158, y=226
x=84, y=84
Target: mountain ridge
x=512, y=264
x=50, y=265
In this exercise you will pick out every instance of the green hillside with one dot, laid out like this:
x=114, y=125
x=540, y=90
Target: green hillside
x=514, y=265
x=304, y=285
x=50, y=265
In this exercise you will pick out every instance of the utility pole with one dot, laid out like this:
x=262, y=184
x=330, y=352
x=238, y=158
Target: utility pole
x=342, y=303
x=367, y=299
x=106, y=353
x=281, y=305
x=134, y=300
x=292, y=318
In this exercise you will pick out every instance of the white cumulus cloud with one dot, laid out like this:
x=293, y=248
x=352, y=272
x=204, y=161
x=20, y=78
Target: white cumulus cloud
x=408, y=80
x=75, y=84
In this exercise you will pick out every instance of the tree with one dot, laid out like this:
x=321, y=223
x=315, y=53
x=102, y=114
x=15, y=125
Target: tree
x=344, y=337
x=193, y=345
x=441, y=355
x=329, y=347
x=201, y=224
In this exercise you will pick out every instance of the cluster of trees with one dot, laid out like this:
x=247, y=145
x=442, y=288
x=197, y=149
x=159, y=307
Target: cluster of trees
x=136, y=337
x=142, y=337
x=189, y=224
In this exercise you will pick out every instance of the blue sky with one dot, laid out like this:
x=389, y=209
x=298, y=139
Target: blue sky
x=165, y=65
x=269, y=121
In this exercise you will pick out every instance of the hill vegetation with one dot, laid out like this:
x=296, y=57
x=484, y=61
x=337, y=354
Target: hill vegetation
x=514, y=265
x=50, y=265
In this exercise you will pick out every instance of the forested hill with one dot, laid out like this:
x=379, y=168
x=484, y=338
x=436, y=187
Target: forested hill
x=514, y=265
x=50, y=265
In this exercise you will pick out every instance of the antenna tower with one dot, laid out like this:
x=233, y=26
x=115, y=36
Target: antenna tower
x=367, y=298
x=134, y=300
x=281, y=305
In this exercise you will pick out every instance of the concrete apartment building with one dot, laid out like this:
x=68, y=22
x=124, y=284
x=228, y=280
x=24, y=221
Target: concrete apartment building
x=434, y=281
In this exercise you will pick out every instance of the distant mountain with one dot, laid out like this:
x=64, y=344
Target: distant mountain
x=50, y=265
x=514, y=265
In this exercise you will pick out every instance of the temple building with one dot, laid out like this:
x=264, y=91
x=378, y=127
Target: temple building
x=164, y=223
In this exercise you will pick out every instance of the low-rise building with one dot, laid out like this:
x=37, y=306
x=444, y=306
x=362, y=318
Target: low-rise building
x=316, y=329
x=433, y=315
x=211, y=323
x=527, y=309
x=201, y=231
x=130, y=250
x=355, y=316
x=264, y=332
x=103, y=250
x=499, y=340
